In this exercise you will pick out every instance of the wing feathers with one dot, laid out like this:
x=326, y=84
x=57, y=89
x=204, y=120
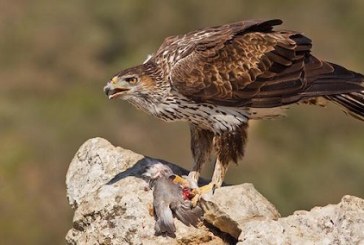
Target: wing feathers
x=186, y=214
x=280, y=59
x=250, y=64
x=233, y=63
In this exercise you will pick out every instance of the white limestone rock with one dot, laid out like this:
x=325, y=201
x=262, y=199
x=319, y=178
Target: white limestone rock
x=113, y=205
x=342, y=223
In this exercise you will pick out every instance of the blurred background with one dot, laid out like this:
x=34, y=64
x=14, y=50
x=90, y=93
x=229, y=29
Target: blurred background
x=56, y=56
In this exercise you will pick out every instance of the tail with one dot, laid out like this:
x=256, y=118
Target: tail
x=337, y=84
x=164, y=222
x=351, y=103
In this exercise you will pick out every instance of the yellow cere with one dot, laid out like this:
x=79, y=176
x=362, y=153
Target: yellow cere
x=114, y=79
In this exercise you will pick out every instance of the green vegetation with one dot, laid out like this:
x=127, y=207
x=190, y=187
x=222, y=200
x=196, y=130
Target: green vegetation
x=56, y=56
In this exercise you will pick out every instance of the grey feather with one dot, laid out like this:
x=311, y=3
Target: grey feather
x=168, y=201
x=186, y=214
x=164, y=222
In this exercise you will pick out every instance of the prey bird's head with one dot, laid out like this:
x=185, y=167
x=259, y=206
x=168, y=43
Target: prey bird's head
x=158, y=170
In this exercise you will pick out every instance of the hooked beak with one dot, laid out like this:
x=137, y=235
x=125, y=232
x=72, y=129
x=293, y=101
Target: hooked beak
x=115, y=89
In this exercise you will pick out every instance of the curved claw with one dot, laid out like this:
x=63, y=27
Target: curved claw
x=193, y=194
x=199, y=192
x=179, y=180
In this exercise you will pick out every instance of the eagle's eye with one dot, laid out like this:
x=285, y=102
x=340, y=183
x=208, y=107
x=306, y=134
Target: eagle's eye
x=131, y=80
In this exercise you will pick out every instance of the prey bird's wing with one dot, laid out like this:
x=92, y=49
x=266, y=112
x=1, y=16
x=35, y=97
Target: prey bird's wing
x=240, y=64
x=164, y=193
x=185, y=213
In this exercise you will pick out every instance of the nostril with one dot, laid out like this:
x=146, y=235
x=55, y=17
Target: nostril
x=107, y=90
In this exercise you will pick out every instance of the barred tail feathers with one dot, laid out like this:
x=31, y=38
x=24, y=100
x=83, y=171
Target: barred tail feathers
x=351, y=103
x=337, y=84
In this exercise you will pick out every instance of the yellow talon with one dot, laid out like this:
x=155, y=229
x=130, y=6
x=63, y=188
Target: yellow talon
x=180, y=181
x=198, y=192
x=195, y=193
x=207, y=188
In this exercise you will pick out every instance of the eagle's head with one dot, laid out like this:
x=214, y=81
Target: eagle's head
x=129, y=83
x=142, y=85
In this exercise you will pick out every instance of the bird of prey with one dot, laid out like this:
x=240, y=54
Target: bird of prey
x=169, y=198
x=219, y=78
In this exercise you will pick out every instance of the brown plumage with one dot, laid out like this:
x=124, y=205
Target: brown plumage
x=218, y=78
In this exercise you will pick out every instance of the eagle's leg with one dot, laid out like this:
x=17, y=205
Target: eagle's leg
x=201, y=147
x=229, y=147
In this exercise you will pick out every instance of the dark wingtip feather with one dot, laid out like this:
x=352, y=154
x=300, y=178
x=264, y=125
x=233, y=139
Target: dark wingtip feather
x=275, y=22
x=339, y=85
x=268, y=25
x=326, y=79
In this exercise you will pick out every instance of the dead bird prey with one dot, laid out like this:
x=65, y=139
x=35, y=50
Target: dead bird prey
x=170, y=199
x=219, y=78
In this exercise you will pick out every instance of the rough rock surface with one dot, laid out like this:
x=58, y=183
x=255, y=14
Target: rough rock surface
x=113, y=204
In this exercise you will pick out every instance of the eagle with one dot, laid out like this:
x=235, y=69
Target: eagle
x=219, y=78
